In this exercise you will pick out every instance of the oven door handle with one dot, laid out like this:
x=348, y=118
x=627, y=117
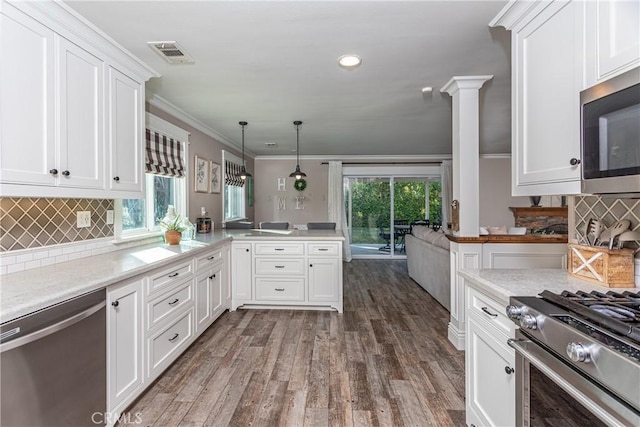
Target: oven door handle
x=606, y=407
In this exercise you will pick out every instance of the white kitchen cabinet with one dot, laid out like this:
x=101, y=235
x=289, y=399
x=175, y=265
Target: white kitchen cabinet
x=287, y=272
x=66, y=91
x=209, y=304
x=547, y=54
x=27, y=144
x=126, y=109
x=324, y=279
x=489, y=363
x=242, y=271
x=226, y=277
x=125, y=332
x=612, y=38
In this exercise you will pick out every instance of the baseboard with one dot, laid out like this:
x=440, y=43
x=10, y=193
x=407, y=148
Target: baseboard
x=456, y=337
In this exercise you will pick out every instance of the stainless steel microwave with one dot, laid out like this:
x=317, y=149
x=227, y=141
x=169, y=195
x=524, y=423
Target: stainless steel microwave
x=610, y=140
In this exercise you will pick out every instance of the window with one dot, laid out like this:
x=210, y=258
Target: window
x=234, y=189
x=165, y=181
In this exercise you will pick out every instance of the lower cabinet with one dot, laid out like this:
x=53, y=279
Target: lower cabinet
x=489, y=364
x=242, y=271
x=124, y=344
x=209, y=304
x=323, y=279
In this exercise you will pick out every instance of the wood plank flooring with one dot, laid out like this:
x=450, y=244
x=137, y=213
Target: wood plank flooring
x=385, y=362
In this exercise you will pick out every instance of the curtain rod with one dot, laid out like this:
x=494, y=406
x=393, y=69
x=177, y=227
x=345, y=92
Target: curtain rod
x=387, y=163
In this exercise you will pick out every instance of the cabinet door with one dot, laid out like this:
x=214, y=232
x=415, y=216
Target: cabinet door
x=324, y=279
x=81, y=109
x=241, y=271
x=208, y=297
x=547, y=78
x=125, y=133
x=490, y=393
x=27, y=130
x=618, y=36
x=124, y=345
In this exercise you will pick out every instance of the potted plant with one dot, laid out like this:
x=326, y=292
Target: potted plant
x=173, y=229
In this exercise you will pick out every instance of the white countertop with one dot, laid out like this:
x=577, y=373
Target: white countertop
x=27, y=291
x=500, y=284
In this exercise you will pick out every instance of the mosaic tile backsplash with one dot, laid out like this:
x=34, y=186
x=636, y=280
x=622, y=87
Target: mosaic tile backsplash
x=27, y=223
x=607, y=209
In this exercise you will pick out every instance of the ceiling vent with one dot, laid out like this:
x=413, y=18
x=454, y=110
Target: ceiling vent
x=271, y=144
x=171, y=52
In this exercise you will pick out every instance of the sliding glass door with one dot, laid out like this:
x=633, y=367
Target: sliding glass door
x=380, y=211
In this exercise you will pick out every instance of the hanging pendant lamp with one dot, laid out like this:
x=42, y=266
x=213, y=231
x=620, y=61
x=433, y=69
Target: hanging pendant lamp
x=243, y=170
x=297, y=174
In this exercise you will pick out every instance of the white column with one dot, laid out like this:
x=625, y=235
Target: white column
x=464, y=91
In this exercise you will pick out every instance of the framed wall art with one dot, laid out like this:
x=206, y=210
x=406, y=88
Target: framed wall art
x=215, y=177
x=201, y=177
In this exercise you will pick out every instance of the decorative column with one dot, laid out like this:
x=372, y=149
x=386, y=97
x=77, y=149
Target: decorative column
x=464, y=91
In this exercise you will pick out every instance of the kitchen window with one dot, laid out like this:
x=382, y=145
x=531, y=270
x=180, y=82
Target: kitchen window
x=234, y=188
x=165, y=180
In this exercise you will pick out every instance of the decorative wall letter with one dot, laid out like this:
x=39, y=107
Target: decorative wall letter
x=282, y=203
x=281, y=184
x=299, y=202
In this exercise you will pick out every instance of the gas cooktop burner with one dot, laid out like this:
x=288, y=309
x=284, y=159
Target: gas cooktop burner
x=617, y=312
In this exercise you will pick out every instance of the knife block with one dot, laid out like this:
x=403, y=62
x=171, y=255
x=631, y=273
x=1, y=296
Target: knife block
x=603, y=266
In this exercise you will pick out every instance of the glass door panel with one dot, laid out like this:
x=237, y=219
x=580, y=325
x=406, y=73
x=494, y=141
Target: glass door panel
x=369, y=199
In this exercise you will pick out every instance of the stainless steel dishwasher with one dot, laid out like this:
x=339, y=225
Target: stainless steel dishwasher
x=53, y=365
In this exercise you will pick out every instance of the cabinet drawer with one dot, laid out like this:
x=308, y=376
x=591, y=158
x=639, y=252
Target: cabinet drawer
x=164, y=346
x=491, y=311
x=268, y=289
x=163, y=307
x=279, y=248
x=323, y=249
x=208, y=260
x=279, y=266
x=161, y=281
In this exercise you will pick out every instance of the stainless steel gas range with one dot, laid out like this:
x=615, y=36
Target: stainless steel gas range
x=588, y=344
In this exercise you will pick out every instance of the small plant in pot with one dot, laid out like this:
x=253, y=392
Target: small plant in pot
x=173, y=230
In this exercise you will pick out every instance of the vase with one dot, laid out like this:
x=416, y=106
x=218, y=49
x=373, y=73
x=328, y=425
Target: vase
x=172, y=237
x=535, y=201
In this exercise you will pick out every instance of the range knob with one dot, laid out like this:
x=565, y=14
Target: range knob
x=528, y=321
x=514, y=311
x=578, y=352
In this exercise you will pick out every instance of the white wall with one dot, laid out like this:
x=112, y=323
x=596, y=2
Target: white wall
x=495, y=193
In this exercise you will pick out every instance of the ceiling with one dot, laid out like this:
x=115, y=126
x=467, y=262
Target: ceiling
x=271, y=63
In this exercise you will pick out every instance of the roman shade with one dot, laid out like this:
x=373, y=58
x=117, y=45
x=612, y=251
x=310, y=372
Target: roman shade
x=164, y=155
x=232, y=174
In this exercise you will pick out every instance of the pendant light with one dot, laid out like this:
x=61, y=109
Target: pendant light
x=297, y=174
x=243, y=170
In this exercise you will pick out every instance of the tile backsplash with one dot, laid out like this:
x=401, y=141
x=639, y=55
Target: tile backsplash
x=28, y=223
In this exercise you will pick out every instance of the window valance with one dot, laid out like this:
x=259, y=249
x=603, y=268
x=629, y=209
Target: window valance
x=232, y=174
x=164, y=155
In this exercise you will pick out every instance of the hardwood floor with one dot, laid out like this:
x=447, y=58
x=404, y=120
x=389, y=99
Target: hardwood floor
x=385, y=362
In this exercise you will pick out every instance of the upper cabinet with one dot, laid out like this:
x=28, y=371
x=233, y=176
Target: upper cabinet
x=559, y=48
x=546, y=56
x=72, y=107
x=612, y=38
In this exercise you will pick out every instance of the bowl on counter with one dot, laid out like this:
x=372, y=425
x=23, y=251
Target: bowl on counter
x=517, y=230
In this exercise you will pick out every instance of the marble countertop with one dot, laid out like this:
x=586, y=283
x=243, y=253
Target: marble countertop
x=27, y=291
x=500, y=284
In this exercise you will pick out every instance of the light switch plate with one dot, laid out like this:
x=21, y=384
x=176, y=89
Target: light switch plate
x=109, y=217
x=84, y=219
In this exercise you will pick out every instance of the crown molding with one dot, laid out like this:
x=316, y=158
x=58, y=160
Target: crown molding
x=169, y=108
x=427, y=158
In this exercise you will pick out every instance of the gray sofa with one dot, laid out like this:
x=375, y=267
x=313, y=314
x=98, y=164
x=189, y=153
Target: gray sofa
x=428, y=262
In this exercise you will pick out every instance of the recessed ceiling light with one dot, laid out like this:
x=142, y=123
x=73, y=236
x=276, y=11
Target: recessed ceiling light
x=349, y=62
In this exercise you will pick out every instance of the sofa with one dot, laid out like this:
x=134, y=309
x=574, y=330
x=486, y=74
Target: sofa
x=428, y=262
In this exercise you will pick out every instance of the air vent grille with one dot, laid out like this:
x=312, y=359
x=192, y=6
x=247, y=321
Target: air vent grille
x=171, y=52
x=271, y=144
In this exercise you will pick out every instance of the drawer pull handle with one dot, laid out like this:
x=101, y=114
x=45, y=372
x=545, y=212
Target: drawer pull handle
x=509, y=370
x=173, y=274
x=174, y=302
x=279, y=289
x=175, y=337
x=279, y=266
x=488, y=312
x=115, y=303
x=323, y=249
x=213, y=276
x=211, y=257
x=279, y=249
